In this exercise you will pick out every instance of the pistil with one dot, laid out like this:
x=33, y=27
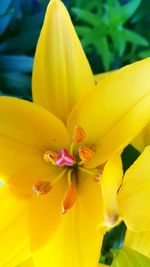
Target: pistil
x=64, y=158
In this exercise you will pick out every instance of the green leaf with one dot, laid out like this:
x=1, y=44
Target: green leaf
x=16, y=63
x=144, y=53
x=86, y=16
x=104, y=51
x=128, y=10
x=4, y=4
x=97, y=33
x=17, y=82
x=82, y=30
x=27, y=40
x=134, y=38
x=118, y=41
x=4, y=21
x=127, y=257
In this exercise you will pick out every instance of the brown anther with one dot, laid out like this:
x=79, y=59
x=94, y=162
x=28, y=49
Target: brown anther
x=50, y=156
x=79, y=135
x=42, y=187
x=69, y=198
x=85, y=154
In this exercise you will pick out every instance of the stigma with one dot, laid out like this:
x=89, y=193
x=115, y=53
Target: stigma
x=64, y=158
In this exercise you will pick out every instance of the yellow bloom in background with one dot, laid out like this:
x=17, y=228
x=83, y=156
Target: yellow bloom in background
x=139, y=241
x=53, y=152
x=134, y=195
x=143, y=139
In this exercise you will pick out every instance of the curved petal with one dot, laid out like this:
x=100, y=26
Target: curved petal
x=45, y=215
x=14, y=238
x=61, y=73
x=143, y=139
x=26, y=132
x=111, y=181
x=31, y=125
x=77, y=241
x=134, y=195
x=139, y=241
x=114, y=113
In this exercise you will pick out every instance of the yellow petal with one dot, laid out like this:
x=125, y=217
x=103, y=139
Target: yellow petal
x=45, y=214
x=31, y=125
x=61, y=73
x=139, y=241
x=26, y=132
x=77, y=241
x=143, y=139
x=134, y=194
x=14, y=238
x=27, y=263
x=111, y=181
x=99, y=77
x=116, y=111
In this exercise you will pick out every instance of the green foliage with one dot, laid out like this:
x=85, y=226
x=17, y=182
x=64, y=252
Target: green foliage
x=128, y=257
x=20, y=24
x=107, y=28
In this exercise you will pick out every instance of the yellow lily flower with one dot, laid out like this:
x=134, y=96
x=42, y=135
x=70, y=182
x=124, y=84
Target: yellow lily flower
x=53, y=150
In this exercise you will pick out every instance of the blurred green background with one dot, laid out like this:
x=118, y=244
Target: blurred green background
x=113, y=33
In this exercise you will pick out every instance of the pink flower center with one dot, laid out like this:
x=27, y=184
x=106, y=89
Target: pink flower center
x=64, y=158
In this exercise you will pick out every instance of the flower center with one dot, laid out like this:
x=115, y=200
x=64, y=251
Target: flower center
x=73, y=160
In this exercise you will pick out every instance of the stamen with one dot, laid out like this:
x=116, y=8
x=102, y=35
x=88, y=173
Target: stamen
x=64, y=158
x=79, y=135
x=69, y=198
x=42, y=187
x=85, y=154
x=95, y=173
x=50, y=156
x=58, y=177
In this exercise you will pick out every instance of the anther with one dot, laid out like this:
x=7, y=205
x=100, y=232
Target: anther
x=64, y=158
x=79, y=135
x=50, y=156
x=69, y=198
x=85, y=154
x=42, y=187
